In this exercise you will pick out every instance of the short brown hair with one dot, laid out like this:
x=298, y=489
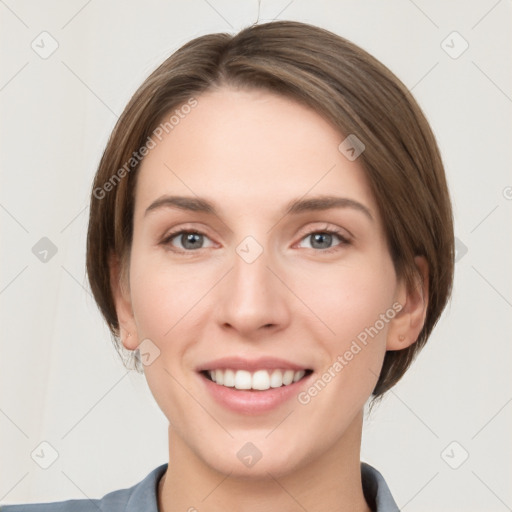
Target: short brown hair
x=340, y=81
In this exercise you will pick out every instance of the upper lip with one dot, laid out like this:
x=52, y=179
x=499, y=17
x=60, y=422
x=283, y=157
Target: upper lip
x=260, y=363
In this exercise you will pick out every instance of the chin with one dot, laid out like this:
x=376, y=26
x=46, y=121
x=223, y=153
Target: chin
x=252, y=456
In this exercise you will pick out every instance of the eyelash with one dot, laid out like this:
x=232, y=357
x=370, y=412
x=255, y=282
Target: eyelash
x=344, y=241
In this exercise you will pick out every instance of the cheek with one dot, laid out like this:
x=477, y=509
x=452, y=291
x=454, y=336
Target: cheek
x=162, y=296
x=353, y=309
x=348, y=299
x=163, y=305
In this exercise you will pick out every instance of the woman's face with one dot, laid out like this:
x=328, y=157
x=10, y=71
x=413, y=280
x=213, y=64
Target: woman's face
x=272, y=286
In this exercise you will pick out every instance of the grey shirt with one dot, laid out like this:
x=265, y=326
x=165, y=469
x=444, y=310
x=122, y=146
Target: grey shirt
x=142, y=497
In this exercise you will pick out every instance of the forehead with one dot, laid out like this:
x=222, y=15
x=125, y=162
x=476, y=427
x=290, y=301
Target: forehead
x=250, y=149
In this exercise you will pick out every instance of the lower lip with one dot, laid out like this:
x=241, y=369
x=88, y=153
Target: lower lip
x=252, y=402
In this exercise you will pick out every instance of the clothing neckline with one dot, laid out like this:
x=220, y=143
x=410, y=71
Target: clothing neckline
x=375, y=490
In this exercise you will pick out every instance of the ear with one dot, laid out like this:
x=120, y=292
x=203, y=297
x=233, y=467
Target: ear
x=406, y=326
x=119, y=284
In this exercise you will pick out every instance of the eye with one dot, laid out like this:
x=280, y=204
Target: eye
x=189, y=240
x=323, y=239
x=192, y=240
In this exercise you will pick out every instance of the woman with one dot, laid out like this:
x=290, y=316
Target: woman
x=271, y=233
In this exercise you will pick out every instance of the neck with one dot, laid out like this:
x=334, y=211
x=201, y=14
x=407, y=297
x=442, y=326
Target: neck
x=332, y=481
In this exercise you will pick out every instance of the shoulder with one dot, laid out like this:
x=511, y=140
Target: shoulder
x=141, y=496
x=376, y=490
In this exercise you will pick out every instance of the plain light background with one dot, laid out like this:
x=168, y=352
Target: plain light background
x=62, y=382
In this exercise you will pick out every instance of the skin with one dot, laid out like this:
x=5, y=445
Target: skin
x=251, y=152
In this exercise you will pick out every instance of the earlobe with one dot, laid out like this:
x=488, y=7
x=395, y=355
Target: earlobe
x=122, y=301
x=408, y=323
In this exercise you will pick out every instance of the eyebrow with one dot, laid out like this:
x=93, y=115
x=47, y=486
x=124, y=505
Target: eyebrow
x=293, y=207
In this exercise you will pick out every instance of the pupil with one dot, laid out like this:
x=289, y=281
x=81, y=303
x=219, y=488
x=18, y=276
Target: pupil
x=189, y=238
x=326, y=236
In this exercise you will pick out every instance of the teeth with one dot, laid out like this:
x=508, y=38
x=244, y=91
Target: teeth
x=288, y=377
x=298, y=375
x=276, y=379
x=229, y=378
x=260, y=380
x=242, y=379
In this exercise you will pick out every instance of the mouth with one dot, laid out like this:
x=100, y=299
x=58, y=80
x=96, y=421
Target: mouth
x=253, y=386
x=259, y=380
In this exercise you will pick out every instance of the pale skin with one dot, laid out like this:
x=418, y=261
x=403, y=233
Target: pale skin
x=250, y=153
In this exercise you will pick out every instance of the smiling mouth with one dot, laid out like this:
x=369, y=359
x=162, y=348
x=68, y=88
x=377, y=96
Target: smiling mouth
x=260, y=380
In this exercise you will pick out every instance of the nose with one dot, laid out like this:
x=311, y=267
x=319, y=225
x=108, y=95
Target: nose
x=253, y=299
